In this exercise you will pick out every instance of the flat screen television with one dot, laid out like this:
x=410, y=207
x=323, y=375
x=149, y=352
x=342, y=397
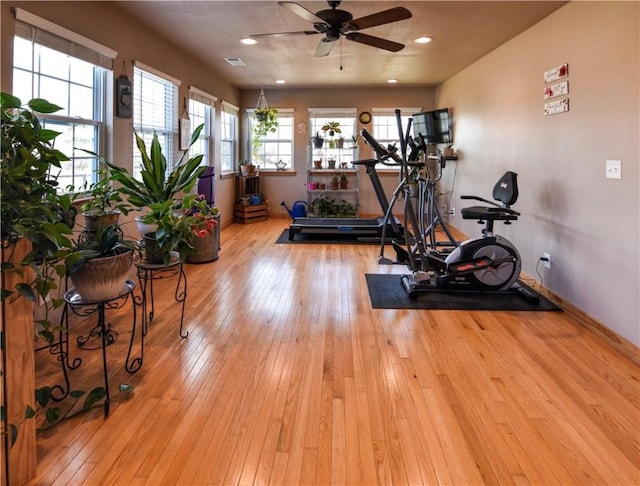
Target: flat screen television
x=434, y=126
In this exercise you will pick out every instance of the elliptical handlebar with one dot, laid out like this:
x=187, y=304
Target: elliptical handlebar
x=383, y=154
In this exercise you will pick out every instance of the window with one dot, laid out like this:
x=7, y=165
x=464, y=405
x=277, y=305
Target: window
x=385, y=125
x=70, y=71
x=228, y=137
x=346, y=117
x=276, y=146
x=155, y=112
x=202, y=111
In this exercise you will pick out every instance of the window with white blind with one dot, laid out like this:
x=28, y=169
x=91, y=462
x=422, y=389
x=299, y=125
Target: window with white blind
x=228, y=137
x=155, y=102
x=202, y=112
x=385, y=126
x=274, y=146
x=70, y=71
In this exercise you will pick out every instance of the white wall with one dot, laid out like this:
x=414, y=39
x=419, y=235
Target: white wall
x=589, y=224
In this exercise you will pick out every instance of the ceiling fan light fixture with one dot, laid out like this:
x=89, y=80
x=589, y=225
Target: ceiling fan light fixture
x=248, y=41
x=392, y=81
x=423, y=40
x=280, y=81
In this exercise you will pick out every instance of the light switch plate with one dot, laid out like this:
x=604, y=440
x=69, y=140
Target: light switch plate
x=614, y=169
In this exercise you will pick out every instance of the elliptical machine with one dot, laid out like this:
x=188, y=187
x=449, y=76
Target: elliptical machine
x=487, y=263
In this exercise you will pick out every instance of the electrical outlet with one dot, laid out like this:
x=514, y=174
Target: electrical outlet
x=452, y=211
x=547, y=262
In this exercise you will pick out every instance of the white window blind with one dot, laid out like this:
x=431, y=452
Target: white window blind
x=155, y=111
x=48, y=34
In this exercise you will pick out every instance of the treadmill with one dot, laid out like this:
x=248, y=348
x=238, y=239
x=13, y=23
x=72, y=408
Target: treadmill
x=365, y=229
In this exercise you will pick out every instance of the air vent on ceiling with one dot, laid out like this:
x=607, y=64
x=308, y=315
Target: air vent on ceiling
x=235, y=61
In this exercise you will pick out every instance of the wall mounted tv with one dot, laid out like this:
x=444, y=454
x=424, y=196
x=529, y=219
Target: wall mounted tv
x=434, y=126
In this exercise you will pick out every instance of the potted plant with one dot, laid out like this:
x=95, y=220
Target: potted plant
x=103, y=267
x=344, y=182
x=247, y=169
x=334, y=184
x=171, y=238
x=331, y=128
x=354, y=140
x=318, y=141
x=267, y=119
x=157, y=188
x=205, y=231
x=331, y=162
x=104, y=203
x=340, y=142
x=35, y=224
x=33, y=212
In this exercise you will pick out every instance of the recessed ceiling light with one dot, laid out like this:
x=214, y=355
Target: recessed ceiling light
x=391, y=81
x=248, y=41
x=423, y=40
x=280, y=81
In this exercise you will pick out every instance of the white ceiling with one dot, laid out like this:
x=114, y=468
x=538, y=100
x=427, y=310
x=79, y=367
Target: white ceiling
x=463, y=32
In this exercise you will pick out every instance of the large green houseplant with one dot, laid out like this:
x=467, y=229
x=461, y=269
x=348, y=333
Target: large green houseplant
x=32, y=208
x=157, y=192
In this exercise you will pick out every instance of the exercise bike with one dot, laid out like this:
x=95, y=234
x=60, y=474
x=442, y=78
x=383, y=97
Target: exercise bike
x=487, y=263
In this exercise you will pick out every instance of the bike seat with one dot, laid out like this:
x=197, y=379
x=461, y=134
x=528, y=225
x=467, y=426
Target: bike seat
x=505, y=192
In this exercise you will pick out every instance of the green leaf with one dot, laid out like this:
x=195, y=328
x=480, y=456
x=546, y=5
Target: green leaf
x=52, y=415
x=9, y=101
x=14, y=433
x=43, y=395
x=29, y=412
x=43, y=106
x=77, y=393
x=93, y=397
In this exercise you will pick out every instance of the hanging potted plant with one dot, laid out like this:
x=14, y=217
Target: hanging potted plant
x=267, y=119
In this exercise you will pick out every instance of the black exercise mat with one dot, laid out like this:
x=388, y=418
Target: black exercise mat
x=327, y=238
x=387, y=292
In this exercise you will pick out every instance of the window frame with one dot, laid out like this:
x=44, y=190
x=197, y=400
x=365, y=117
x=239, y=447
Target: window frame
x=209, y=120
x=273, y=139
x=229, y=110
x=39, y=36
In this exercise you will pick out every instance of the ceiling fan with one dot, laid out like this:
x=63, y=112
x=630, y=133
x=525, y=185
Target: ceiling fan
x=333, y=23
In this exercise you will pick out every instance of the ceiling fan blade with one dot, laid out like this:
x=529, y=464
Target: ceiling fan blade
x=324, y=47
x=300, y=11
x=385, y=17
x=283, y=34
x=373, y=41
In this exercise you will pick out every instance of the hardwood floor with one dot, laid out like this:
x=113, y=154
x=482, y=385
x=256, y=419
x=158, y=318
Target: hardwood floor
x=288, y=376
